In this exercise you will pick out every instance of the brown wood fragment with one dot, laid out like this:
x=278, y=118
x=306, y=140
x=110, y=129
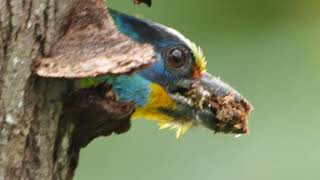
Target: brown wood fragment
x=92, y=46
x=231, y=115
x=231, y=112
x=95, y=112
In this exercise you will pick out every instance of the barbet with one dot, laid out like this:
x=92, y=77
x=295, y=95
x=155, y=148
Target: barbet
x=175, y=91
x=150, y=65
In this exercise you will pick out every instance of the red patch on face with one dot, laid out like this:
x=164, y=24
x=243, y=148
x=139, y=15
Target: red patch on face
x=196, y=73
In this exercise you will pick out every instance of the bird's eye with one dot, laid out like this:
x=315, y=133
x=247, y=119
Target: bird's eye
x=176, y=58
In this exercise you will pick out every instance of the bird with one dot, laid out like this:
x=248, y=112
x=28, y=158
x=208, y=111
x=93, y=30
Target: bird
x=151, y=66
x=175, y=90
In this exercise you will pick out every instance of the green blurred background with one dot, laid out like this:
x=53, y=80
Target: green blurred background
x=269, y=51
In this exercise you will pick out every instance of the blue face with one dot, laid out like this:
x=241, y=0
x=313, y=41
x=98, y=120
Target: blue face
x=174, y=58
x=174, y=62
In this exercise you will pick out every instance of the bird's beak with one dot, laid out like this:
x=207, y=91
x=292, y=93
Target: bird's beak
x=213, y=104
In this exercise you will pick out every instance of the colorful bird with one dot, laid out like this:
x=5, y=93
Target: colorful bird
x=150, y=65
x=175, y=91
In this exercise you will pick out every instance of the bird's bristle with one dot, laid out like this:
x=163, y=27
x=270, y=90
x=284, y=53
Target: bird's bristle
x=201, y=62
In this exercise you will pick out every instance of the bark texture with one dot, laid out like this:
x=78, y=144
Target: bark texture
x=92, y=46
x=40, y=138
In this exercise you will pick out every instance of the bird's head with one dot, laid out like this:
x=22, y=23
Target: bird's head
x=176, y=91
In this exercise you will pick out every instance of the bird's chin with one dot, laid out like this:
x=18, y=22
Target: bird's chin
x=213, y=104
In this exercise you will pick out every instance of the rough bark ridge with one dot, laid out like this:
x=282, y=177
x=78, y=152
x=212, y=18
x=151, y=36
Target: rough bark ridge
x=29, y=108
x=38, y=141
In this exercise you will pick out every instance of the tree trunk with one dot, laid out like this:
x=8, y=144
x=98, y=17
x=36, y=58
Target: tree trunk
x=30, y=107
x=38, y=141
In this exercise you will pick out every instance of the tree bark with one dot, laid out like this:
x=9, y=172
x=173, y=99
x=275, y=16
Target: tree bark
x=30, y=107
x=39, y=137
